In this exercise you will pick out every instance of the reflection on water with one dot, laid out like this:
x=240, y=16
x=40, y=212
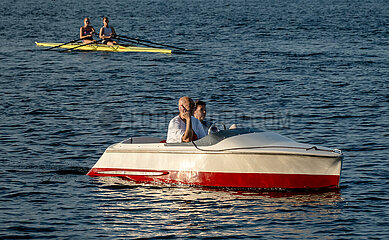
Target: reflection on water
x=191, y=210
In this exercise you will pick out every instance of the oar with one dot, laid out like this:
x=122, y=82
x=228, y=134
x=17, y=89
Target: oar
x=70, y=49
x=132, y=41
x=160, y=44
x=73, y=41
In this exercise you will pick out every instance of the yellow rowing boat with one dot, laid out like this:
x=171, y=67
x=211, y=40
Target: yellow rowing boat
x=103, y=47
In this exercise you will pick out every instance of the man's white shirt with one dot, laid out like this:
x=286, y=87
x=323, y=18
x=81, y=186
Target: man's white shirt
x=177, y=129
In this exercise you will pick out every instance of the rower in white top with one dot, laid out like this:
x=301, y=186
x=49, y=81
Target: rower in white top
x=107, y=33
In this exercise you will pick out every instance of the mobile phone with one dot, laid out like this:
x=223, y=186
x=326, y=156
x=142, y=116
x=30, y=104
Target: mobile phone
x=183, y=108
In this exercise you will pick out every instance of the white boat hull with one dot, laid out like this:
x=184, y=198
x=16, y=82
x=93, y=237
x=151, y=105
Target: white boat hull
x=254, y=165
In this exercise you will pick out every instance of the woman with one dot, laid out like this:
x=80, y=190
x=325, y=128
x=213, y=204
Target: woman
x=86, y=32
x=107, y=33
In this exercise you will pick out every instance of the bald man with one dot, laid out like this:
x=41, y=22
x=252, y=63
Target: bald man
x=185, y=127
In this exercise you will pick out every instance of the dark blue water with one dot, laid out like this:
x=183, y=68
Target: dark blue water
x=315, y=71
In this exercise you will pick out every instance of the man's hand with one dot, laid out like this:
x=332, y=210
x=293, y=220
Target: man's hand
x=185, y=113
x=186, y=116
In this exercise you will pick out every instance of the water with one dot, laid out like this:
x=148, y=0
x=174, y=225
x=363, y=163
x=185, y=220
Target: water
x=315, y=71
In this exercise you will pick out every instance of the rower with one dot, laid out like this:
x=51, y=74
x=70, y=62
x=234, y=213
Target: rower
x=86, y=32
x=107, y=33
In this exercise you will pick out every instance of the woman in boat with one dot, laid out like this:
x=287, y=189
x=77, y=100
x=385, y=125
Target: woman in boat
x=200, y=112
x=87, y=31
x=107, y=33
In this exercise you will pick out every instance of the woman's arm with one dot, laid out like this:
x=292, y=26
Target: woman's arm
x=101, y=33
x=81, y=33
x=113, y=32
x=93, y=31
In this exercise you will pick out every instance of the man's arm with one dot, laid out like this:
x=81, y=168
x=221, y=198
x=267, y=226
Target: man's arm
x=188, y=135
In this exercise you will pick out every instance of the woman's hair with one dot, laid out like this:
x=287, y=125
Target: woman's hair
x=199, y=103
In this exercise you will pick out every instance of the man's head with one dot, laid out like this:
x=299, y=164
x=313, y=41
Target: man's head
x=200, y=110
x=185, y=104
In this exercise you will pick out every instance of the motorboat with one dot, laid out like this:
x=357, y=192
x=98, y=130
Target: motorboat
x=232, y=158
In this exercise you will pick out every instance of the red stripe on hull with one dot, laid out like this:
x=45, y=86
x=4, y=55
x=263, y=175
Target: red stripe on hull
x=238, y=180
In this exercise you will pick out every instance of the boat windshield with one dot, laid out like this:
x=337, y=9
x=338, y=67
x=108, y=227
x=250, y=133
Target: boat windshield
x=214, y=138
